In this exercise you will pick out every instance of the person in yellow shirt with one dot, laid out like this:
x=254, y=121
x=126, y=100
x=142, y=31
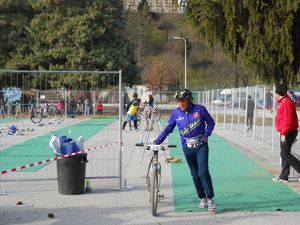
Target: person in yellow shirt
x=132, y=112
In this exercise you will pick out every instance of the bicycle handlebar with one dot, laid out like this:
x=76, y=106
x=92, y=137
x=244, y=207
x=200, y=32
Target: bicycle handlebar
x=152, y=146
x=139, y=144
x=172, y=146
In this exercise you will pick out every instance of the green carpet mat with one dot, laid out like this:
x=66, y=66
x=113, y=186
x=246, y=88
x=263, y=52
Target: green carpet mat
x=240, y=184
x=38, y=149
x=10, y=120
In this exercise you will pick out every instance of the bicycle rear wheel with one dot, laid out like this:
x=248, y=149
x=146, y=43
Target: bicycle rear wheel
x=154, y=190
x=36, y=117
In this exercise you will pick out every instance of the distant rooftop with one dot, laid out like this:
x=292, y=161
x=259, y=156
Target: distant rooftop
x=159, y=6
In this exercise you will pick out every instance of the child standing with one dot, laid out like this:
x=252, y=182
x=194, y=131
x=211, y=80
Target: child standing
x=100, y=108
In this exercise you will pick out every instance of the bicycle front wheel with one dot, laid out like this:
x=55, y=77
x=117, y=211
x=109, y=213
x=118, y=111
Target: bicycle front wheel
x=36, y=117
x=154, y=190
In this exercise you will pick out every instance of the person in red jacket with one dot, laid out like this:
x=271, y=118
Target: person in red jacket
x=287, y=125
x=100, y=107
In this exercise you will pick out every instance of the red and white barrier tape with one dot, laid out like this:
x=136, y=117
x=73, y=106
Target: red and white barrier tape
x=56, y=158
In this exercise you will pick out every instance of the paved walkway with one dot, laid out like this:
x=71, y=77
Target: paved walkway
x=107, y=205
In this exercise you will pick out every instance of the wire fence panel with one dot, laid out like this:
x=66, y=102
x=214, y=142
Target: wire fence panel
x=249, y=111
x=72, y=103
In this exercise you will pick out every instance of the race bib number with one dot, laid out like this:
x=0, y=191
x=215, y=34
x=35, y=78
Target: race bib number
x=193, y=142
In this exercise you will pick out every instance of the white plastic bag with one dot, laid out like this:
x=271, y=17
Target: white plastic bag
x=79, y=142
x=54, y=144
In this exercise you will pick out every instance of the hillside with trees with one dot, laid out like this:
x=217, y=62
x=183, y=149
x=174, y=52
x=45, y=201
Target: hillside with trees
x=263, y=35
x=161, y=58
x=65, y=35
x=229, y=43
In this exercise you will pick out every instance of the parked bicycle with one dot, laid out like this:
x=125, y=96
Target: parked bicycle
x=149, y=115
x=153, y=176
x=37, y=113
x=54, y=111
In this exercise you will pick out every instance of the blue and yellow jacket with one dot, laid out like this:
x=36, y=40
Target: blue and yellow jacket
x=194, y=123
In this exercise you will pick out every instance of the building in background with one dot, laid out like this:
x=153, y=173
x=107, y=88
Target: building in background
x=159, y=6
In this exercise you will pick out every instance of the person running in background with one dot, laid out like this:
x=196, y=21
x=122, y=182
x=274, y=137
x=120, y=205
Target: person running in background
x=269, y=100
x=132, y=112
x=195, y=125
x=287, y=124
x=250, y=113
x=149, y=108
x=150, y=101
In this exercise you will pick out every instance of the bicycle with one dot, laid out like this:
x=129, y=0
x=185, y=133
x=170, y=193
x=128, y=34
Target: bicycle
x=55, y=112
x=147, y=114
x=153, y=176
x=35, y=114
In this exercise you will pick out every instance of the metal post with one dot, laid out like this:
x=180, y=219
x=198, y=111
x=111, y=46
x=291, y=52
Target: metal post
x=185, y=75
x=212, y=99
x=66, y=104
x=120, y=128
x=239, y=109
x=263, y=119
x=224, y=111
x=217, y=113
x=254, y=114
x=232, y=103
x=185, y=68
x=273, y=119
x=246, y=109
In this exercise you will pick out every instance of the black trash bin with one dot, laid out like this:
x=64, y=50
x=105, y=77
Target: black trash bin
x=71, y=174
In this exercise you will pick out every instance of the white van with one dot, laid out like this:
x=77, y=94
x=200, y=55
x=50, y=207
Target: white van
x=225, y=93
x=231, y=95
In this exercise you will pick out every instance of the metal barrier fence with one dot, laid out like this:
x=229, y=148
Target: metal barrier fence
x=249, y=111
x=80, y=94
x=229, y=106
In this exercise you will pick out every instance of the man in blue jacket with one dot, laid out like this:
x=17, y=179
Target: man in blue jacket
x=195, y=125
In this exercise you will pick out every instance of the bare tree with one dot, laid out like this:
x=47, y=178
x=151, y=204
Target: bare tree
x=160, y=76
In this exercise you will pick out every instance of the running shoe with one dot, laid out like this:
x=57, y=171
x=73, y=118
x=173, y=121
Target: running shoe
x=212, y=207
x=202, y=203
x=277, y=179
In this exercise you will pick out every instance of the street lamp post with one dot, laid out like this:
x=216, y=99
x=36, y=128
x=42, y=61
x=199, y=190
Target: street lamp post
x=185, y=76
